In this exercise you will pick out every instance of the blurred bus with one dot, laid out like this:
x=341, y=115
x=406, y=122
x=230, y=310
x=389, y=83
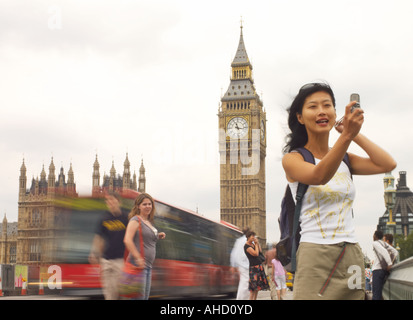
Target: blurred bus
x=193, y=260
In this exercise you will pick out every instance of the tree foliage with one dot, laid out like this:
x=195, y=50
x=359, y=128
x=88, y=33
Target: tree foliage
x=405, y=245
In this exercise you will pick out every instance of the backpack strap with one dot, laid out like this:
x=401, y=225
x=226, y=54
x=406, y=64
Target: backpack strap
x=346, y=160
x=301, y=190
x=306, y=154
x=308, y=157
x=383, y=263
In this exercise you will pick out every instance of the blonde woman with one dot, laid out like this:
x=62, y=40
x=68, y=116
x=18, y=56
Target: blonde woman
x=143, y=211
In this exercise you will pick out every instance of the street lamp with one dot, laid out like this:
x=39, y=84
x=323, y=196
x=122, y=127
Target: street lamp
x=389, y=200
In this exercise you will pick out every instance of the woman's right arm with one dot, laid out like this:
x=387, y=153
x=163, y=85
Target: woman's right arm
x=131, y=230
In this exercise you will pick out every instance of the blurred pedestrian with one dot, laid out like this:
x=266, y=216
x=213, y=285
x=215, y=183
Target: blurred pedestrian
x=279, y=276
x=328, y=245
x=257, y=277
x=143, y=210
x=108, y=247
x=268, y=269
x=240, y=264
x=381, y=265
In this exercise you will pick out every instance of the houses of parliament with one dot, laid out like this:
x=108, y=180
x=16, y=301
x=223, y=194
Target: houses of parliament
x=30, y=240
x=242, y=148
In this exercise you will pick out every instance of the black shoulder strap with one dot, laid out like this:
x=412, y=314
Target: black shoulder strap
x=301, y=190
x=308, y=157
x=346, y=160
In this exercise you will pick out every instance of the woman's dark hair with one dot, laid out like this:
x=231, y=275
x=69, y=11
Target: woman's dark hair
x=250, y=233
x=298, y=136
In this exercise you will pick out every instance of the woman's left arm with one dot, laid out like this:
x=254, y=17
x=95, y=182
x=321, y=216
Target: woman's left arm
x=378, y=161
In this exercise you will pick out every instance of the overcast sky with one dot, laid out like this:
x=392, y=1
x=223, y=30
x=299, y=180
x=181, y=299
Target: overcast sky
x=80, y=78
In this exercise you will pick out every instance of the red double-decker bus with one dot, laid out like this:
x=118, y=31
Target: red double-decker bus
x=193, y=260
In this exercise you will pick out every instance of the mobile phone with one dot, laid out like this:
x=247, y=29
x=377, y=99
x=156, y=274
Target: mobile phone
x=355, y=97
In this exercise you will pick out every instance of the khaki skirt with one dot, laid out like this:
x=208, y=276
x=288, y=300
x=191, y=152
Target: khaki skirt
x=329, y=272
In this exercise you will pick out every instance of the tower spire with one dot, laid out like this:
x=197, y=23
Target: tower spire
x=242, y=82
x=126, y=173
x=142, y=178
x=96, y=177
x=22, y=181
x=241, y=56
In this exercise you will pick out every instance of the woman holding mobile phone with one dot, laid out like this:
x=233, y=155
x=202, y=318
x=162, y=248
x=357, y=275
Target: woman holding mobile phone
x=329, y=253
x=258, y=279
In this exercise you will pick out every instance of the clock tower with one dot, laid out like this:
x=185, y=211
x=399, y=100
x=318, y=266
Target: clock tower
x=242, y=147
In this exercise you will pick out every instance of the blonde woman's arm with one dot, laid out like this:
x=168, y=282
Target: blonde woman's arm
x=131, y=230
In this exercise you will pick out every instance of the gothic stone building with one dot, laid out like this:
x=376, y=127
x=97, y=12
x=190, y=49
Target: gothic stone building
x=400, y=221
x=242, y=147
x=114, y=182
x=37, y=214
x=30, y=240
x=8, y=242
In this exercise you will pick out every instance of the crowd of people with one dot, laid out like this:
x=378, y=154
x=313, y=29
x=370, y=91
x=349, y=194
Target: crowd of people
x=269, y=274
x=327, y=228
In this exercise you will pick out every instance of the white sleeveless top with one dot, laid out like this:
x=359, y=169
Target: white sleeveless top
x=326, y=213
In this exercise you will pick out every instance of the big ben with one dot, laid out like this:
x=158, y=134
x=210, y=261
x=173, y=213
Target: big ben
x=242, y=147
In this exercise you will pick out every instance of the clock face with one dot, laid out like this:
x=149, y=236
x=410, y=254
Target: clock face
x=262, y=130
x=237, y=127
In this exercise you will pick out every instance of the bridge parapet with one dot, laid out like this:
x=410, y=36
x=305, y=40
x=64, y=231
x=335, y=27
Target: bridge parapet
x=399, y=284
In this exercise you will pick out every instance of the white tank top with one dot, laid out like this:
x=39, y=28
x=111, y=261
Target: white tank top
x=326, y=213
